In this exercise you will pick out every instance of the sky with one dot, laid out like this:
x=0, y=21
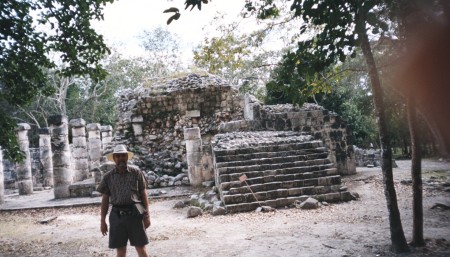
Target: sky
x=125, y=20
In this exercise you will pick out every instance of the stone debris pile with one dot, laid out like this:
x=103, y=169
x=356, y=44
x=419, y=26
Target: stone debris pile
x=155, y=180
x=153, y=118
x=277, y=108
x=191, y=81
x=235, y=140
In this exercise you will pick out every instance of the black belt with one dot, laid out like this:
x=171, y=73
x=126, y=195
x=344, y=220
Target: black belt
x=128, y=206
x=123, y=210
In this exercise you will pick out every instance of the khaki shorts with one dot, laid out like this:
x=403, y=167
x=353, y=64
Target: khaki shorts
x=126, y=227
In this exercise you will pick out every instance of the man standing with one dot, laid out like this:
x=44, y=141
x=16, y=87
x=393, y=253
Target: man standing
x=123, y=187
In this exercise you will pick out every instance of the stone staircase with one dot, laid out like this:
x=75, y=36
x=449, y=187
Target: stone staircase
x=280, y=168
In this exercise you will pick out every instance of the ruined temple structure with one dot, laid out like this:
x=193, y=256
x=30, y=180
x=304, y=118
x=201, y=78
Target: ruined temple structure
x=199, y=126
x=197, y=130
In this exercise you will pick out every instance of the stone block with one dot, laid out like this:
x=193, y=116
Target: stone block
x=61, y=191
x=81, y=190
x=61, y=131
x=22, y=136
x=81, y=164
x=79, y=133
x=281, y=193
x=79, y=153
x=93, y=127
x=137, y=129
x=324, y=181
x=76, y=123
x=295, y=191
x=137, y=119
x=106, y=128
x=332, y=197
x=79, y=142
x=193, y=146
x=94, y=134
x=193, y=113
x=192, y=133
x=311, y=182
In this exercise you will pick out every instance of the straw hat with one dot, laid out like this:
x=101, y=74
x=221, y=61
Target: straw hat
x=119, y=149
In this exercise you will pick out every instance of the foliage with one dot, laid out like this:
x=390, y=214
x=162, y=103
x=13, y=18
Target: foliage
x=187, y=3
x=30, y=32
x=352, y=100
x=95, y=102
x=333, y=38
x=162, y=52
x=245, y=58
x=232, y=57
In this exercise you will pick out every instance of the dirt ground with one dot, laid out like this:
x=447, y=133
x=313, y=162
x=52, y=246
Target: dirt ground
x=356, y=228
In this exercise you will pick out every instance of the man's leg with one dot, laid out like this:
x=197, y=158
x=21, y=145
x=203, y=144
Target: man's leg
x=138, y=236
x=142, y=251
x=122, y=251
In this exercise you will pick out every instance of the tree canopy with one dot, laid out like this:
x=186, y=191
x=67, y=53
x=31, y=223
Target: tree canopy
x=38, y=35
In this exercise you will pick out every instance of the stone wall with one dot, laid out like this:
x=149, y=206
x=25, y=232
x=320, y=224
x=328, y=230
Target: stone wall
x=369, y=158
x=310, y=118
x=318, y=122
x=152, y=120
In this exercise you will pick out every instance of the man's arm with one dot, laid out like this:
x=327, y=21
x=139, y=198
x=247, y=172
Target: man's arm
x=144, y=198
x=103, y=212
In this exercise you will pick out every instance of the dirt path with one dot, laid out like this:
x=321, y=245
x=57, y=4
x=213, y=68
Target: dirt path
x=356, y=228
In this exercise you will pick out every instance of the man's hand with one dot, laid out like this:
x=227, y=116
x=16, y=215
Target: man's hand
x=147, y=221
x=104, y=211
x=104, y=228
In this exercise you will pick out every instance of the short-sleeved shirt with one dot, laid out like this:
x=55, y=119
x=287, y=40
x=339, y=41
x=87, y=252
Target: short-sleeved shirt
x=123, y=188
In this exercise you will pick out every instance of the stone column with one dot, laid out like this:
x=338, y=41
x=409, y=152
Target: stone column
x=2, y=180
x=45, y=151
x=62, y=172
x=106, y=137
x=94, y=145
x=137, y=128
x=24, y=176
x=79, y=149
x=194, y=155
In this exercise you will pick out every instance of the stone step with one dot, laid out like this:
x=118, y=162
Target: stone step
x=276, y=158
x=286, y=201
x=281, y=168
x=271, y=166
x=279, y=193
x=261, y=155
x=269, y=148
x=82, y=188
x=279, y=178
x=320, y=181
x=306, y=171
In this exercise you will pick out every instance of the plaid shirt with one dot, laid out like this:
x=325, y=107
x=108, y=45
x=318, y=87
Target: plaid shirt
x=123, y=188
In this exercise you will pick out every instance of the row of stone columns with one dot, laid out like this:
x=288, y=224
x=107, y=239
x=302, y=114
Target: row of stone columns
x=63, y=175
x=194, y=155
x=79, y=149
x=24, y=177
x=45, y=154
x=61, y=165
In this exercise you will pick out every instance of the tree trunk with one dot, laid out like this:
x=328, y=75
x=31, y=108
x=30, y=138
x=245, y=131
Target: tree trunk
x=406, y=28
x=399, y=244
x=405, y=148
x=416, y=175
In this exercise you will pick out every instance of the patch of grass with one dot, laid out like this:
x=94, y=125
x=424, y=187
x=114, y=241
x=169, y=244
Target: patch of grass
x=436, y=174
